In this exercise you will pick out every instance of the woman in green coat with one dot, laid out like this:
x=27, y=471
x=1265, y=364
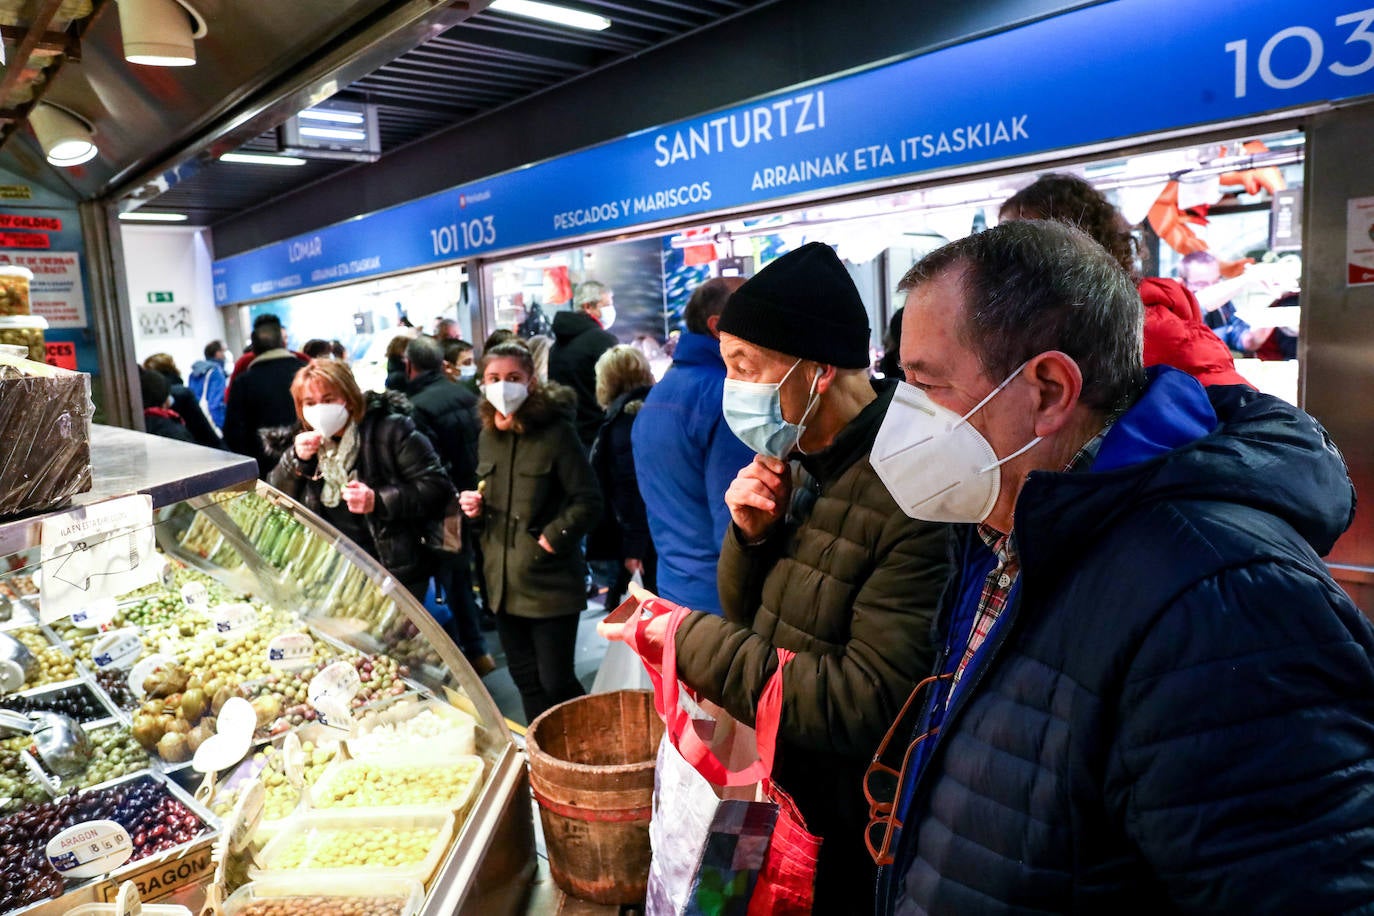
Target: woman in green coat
x=537, y=497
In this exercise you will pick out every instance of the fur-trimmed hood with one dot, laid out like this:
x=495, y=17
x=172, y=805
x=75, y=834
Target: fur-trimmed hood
x=389, y=401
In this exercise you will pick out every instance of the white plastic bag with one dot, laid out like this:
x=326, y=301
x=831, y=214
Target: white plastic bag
x=621, y=668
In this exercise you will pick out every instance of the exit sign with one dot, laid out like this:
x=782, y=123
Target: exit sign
x=160, y=297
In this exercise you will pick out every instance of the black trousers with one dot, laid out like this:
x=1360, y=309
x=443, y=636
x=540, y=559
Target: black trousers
x=539, y=653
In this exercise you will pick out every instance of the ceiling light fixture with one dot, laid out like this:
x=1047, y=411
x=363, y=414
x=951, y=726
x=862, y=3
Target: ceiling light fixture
x=333, y=133
x=548, y=12
x=261, y=159
x=66, y=138
x=160, y=33
x=332, y=115
x=149, y=216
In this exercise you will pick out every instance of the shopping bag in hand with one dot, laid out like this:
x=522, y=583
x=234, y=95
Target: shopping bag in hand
x=725, y=839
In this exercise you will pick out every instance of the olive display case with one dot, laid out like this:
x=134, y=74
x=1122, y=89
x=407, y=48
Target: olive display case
x=239, y=566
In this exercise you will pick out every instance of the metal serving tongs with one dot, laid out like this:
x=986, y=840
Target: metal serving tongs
x=62, y=744
x=236, y=836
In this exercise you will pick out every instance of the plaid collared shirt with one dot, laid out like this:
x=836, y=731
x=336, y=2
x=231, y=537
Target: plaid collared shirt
x=997, y=586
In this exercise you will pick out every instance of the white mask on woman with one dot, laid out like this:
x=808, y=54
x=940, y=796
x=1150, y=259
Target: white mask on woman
x=327, y=419
x=506, y=397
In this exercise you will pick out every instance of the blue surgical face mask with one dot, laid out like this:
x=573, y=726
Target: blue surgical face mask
x=753, y=411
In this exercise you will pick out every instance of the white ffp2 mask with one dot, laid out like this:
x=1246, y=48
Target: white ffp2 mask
x=506, y=397
x=937, y=467
x=326, y=419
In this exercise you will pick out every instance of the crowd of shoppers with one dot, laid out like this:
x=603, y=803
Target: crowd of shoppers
x=1064, y=641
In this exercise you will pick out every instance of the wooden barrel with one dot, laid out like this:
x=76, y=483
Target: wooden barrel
x=592, y=773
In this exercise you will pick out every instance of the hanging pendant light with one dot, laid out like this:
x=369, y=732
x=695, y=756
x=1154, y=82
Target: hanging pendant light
x=66, y=139
x=160, y=33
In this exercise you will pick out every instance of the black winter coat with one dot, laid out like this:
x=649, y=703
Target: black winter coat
x=260, y=400
x=1176, y=713
x=624, y=529
x=537, y=482
x=578, y=343
x=168, y=428
x=447, y=413
x=851, y=585
x=398, y=462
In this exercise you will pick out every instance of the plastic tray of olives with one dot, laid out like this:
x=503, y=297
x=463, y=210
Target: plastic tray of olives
x=54, y=664
x=72, y=698
x=403, y=843
x=20, y=782
x=338, y=895
x=114, y=755
x=159, y=819
x=355, y=784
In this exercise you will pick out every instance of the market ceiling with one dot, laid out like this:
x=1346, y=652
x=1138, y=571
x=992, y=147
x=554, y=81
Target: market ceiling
x=425, y=66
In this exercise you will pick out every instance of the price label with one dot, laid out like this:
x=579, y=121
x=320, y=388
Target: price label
x=119, y=649
x=246, y=816
x=233, y=618
x=96, y=614
x=128, y=902
x=90, y=849
x=289, y=651
x=195, y=596
x=339, y=681
x=334, y=713
x=293, y=760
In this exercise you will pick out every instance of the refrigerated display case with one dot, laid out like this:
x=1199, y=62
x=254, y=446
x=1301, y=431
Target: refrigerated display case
x=251, y=598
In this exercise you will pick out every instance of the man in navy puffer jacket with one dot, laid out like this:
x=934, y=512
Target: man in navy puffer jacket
x=1155, y=698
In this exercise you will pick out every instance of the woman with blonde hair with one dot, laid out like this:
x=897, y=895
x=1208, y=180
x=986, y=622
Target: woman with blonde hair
x=359, y=463
x=536, y=498
x=623, y=380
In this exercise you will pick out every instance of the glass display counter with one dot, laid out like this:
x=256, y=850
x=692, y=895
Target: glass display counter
x=382, y=760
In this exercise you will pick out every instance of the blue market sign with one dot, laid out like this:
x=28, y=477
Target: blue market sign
x=1059, y=83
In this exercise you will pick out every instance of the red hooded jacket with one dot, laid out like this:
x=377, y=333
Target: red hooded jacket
x=1176, y=335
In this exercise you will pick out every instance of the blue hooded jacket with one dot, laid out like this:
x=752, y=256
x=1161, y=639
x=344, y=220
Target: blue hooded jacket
x=1175, y=713
x=686, y=456
x=207, y=381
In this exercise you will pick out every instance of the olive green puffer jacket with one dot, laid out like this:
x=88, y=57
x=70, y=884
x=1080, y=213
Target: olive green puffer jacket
x=850, y=584
x=537, y=482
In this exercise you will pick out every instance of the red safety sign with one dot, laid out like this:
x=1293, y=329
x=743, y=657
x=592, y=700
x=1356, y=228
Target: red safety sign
x=24, y=240
x=62, y=354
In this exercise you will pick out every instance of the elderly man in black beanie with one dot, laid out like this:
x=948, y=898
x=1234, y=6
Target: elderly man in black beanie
x=825, y=564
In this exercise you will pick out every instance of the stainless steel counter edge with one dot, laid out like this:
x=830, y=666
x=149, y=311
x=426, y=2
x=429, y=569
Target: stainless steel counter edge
x=125, y=462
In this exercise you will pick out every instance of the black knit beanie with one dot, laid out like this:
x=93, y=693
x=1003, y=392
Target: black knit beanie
x=805, y=305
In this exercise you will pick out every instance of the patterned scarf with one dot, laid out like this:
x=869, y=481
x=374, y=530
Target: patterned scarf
x=336, y=464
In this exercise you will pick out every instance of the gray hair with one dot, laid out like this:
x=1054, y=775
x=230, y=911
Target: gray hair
x=708, y=300
x=589, y=293
x=425, y=354
x=1031, y=286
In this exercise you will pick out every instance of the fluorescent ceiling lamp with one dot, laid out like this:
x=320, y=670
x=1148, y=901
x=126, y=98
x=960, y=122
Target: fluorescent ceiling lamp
x=261, y=159
x=333, y=133
x=333, y=116
x=548, y=12
x=65, y=138
x=160, y=33
x=147, y=216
